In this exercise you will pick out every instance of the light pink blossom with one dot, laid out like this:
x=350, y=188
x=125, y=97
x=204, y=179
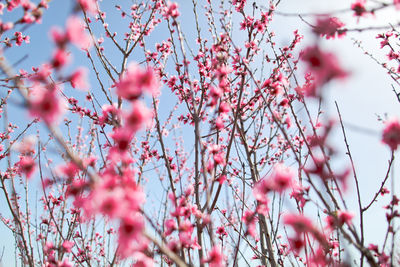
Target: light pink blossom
x=46, y=104
x=79, y=79
x=137, y=80
x=88, y=6
x=76, y=33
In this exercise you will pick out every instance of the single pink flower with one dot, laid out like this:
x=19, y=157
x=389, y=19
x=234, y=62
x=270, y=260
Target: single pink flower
x=131, y=227
x=26, y=145
x=110, y=203
x=65, y=263
x=137, y=117
x=299, y=223
x=260, y=190
x=323, y=65
x=27, y=166
x=391, y=133
x=215, y=257
x=221, y=231
x=89, y=6
x=342, y=217
x=60, y=58
x=142, y=260
x=67, y=245
x=130, y=231
x=345, y=217
x=76, y=33
x=58, y=35
x=250, y=219
x=137, y=80
x=46, y=104
x=279, y=180
x=122, y=138
x=170, y=226
x=329, y=27
x=282, y=178
x=42, y=73
x=359, y=8
x=79, y=79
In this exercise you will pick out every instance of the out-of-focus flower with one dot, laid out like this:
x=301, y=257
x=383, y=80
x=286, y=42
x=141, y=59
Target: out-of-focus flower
x=391, y=133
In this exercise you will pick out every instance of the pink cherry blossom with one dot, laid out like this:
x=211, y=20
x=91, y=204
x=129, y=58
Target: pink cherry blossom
x=170, y=226
x=391, y=133
x=299, y=223
x=89, y=6
x=122, y=138
x=323, y=65
x=142, y=260
x=137, y=80
x=130, y=230
x=27, y=166
x=67, y=245
x=359, y=8
x=137, y=117
x=329, y=27
x=215, y=257
x=76, y=33
x=46, y=104
x=60, y=58
x=279, y=180
x=342, y=217
x=171, y=10
x=111, y=203
x=79, y=79
x=345, y=217
x=282, y=178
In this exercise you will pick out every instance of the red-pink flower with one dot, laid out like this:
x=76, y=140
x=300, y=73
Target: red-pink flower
x=60, y=58
x=279, y=180
x=391, y=133
x=65, y=263
x=142, y=260
x=131, y=227
x=215, y=257
x=137, y=117
x=130, y=233
x=135, y=81
x=329, y=27
x=250, y=219
x=46, y=104
x=323, y=65
x=67, y=245
x=221, y=231
x=27, y=166
x=261, y=189
x=359, y=8
x=110, y=203
x=282, y=178
x=170, y=226
x=345, y=217
x=122, y=138
x=299, y=223
x=342, y=217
